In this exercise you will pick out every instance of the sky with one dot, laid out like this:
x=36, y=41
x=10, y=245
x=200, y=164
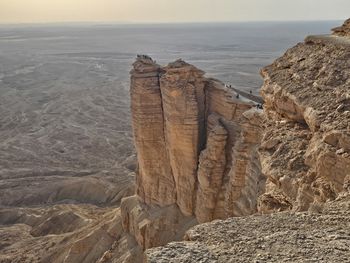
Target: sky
x=170, y=11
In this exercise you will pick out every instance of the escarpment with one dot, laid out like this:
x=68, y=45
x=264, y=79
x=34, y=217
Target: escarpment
x=196, y=143
x=206, y=153
x=305, y=152
x=303, y=138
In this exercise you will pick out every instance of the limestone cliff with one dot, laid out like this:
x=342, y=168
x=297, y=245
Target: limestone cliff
x=196, y=143
x=305, y=152
x=204, y=153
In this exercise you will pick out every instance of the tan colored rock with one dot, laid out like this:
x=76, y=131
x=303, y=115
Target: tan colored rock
x=152, y=226
x=196, y=146
x=246, y=181
x=61, y=233
x=343, y=30
x=242, y=181
x=155, y=182
x=295, y=157
x=182, y=87
x=211, y=170
x=280, y=237
x=305, y=150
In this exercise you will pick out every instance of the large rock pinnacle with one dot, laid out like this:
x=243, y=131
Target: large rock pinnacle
x=196, y=144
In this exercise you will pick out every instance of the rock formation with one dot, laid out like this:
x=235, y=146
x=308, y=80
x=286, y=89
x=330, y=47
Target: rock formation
x=204, y=153
x=196, y=144
x=305, y=156
x=155, y=183
x=343, y=30
x=281, y=237
x=305, y=152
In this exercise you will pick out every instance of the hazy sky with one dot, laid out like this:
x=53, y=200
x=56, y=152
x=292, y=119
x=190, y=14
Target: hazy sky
x=33, y=11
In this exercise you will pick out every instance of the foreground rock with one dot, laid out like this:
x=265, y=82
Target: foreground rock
x=196, y=143
x=280, y=237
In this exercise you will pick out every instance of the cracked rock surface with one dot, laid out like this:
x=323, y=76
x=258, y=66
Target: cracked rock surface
x=319, y=236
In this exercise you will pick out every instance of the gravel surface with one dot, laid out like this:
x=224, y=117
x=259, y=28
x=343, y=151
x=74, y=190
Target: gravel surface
x=280, y=237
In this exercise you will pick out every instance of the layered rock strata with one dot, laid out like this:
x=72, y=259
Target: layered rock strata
x=155, y=181
x=305, y=152
x=196, y=144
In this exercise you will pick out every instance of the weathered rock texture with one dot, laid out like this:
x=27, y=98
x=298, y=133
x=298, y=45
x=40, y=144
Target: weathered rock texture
x=305, y=152
x=343, y=30
x=214, y=152
x=280, y=237
x=155, y=181
x=196, y=144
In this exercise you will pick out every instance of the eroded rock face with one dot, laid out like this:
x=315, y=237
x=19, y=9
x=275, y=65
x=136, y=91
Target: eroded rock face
x=182, y=87
x=63, y=233
x=343, y=30
x=155, y=181
x=196, y=144
x=153, y=226
x=305, y=151
x=221, y=150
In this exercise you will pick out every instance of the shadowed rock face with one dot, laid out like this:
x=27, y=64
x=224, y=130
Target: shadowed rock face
x=196, y=144
x=182, y=87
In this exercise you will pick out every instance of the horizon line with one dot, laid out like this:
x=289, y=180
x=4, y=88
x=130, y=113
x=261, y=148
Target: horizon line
x=160, y=23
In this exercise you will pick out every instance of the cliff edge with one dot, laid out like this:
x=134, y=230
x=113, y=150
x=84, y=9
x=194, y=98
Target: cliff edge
x=197, y=149
x=304, y=154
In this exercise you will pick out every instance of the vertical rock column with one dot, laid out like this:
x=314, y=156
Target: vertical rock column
x=212, y=162
x=155, y=183
x=182, y=87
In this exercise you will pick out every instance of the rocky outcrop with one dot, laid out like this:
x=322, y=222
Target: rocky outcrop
x=224, y=158
x=61, y=233
x=196, y=143
x=305, y=152
x=343, y=30
x=155, y=181
x=281, y=237
x=182, y=87
x=153, y=226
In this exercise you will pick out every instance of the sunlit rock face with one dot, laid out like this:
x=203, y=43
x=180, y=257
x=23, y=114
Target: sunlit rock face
x=303, y=141
x=305, y=151
x=182, y=87
x=196, y=144
x=155, y=180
